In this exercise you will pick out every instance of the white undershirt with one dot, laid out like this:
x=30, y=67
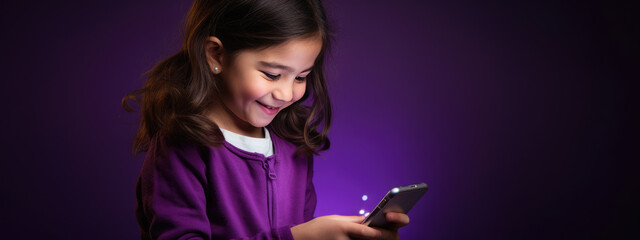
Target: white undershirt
x=263, y=146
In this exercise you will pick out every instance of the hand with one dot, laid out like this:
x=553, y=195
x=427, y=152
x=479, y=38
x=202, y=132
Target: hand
x=395, y=221
x=347, y=227
x=334, y=227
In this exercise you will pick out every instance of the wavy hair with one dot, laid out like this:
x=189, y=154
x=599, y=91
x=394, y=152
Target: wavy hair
x=180, y=88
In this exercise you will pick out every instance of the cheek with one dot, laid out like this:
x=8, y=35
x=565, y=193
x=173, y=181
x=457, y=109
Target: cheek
x=253, y=87
x=298, y=91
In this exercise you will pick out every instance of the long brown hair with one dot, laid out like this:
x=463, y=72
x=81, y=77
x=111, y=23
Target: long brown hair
x=180, y=88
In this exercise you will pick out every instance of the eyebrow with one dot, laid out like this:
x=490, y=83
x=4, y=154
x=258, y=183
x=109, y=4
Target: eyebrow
x=280, y=66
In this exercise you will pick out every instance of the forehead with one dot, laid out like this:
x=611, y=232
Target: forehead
x=297, y=54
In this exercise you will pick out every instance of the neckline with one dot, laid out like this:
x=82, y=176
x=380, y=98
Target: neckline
x=253, y=155
x=264, y=130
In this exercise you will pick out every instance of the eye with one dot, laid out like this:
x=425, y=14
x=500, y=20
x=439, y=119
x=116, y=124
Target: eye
x=302, y=79
x=271, y=76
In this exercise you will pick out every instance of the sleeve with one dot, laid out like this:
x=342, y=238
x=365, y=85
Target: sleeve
x=173, y=193
x=173, y=184
x=310, y=195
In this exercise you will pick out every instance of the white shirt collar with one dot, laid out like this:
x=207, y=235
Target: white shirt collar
x=263, y=146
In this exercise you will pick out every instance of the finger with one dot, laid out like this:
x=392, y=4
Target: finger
x=353, y=219
x=388, y=234
x=361, y=231
x=397, y=219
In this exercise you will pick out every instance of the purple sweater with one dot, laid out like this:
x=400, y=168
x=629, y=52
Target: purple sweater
x=191, y=192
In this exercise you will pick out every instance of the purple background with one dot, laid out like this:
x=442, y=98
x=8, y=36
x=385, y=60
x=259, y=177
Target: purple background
x=522, y=117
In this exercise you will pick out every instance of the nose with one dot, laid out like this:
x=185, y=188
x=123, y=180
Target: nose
x=283, y=91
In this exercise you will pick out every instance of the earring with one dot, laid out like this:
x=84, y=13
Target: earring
x=215, y=69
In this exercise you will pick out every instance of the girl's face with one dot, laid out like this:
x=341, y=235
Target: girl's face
x=260, y=83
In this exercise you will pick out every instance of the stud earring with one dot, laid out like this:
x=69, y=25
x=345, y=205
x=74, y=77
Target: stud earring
x=215, y=69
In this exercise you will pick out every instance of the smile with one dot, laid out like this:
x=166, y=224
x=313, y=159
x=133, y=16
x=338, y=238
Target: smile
x=267, y=106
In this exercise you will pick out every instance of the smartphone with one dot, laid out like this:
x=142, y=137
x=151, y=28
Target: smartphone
x=398, y=199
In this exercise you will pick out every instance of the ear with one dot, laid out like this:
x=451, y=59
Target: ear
x=214, y=53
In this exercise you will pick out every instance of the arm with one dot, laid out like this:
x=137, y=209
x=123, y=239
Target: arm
x=173, y=193
x=172, y=183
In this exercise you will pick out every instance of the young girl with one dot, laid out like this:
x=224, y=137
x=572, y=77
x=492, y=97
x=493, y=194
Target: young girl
x=229, y=141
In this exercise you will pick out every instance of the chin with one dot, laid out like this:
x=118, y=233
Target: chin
x=260, y=124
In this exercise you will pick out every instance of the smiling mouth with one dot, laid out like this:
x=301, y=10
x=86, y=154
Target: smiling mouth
x=267, y=106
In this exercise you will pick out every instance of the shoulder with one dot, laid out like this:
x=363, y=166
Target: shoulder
x=286, y=149
x=182, y=164
x=160, y=151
